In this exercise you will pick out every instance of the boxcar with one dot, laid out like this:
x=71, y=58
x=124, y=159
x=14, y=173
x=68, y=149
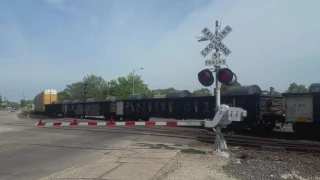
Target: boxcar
x=303, y=110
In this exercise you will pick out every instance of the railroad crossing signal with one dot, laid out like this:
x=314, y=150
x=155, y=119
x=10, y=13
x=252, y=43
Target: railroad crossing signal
x=205, y=77
x=216, y=41
x=84, y=89
x=224, y=76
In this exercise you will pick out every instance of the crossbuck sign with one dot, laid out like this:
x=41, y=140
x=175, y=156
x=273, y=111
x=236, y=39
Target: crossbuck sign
x=216, y=41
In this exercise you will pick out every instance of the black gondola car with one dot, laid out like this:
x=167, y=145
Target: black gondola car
x=54, y=109
x=263, y=110
x=75, y=108
x=178, y=94
x=93, y=107
x=109, y=107
x=66, y=107
x=135, y=107
x=314, y=87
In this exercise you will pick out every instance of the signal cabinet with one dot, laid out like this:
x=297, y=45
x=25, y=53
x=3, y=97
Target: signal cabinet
x=302, y=107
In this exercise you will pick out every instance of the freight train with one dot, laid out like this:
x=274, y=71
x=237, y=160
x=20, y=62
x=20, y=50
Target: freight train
x=264, y=109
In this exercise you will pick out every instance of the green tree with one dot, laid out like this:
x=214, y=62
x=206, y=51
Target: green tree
x=123, y=86
x=29, y=102
x=96, y=88
x=11, y=104
x=224, y=88
x=64, y=95
x=202, y=92
x=295, y=88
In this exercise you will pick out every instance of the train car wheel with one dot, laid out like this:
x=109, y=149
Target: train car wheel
x=269, y=126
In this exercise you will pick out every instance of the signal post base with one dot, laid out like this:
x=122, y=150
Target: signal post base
x=220, y=143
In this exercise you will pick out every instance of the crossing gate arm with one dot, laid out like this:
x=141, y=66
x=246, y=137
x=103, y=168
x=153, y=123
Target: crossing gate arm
x=128, y=123
x=224, y=116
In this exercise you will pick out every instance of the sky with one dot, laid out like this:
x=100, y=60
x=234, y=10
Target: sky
x=47, y=44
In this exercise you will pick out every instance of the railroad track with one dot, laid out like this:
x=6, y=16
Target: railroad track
x=269, y=142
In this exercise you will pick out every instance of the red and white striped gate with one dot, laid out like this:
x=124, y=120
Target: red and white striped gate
x=127, y=123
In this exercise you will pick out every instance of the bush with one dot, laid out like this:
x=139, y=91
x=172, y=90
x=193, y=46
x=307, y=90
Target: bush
x=24, y=113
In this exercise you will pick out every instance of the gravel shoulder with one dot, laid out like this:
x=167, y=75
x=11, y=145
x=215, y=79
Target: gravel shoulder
x=250, y=164
x=198, y=163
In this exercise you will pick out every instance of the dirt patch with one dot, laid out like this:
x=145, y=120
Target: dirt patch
x=197, y=163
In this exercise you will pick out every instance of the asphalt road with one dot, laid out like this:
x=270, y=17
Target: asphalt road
x=29, y=152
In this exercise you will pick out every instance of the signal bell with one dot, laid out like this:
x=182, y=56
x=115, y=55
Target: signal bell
x=205, y=77
x=226, y=76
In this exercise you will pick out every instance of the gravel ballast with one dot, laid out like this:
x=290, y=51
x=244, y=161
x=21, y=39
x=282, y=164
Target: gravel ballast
x=250, y=164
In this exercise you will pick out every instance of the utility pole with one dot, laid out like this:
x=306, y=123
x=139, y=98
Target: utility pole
x=133, y=79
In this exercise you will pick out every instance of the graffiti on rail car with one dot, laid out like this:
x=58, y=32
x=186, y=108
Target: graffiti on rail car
x=179, y=108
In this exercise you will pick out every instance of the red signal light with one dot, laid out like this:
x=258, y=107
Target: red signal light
x=205, y=77
x=226, y=76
